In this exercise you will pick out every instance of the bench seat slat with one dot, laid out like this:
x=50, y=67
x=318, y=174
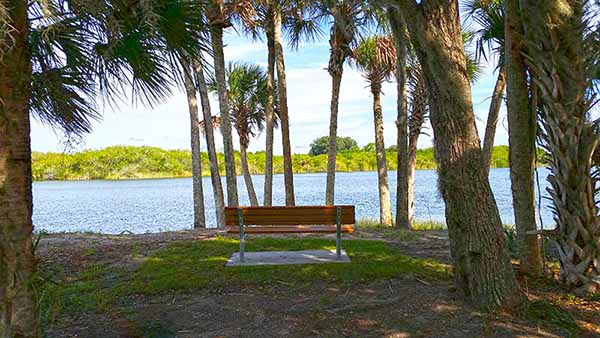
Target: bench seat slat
x=303, y=215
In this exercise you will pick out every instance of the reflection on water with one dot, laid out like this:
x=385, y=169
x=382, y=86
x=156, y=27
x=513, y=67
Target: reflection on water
x=142, y=206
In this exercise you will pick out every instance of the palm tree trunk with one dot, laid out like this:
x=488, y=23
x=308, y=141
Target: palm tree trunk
x=410, y=175
x=560, y=61
x=336, y=70
x=18, y=311
x=198, y=191
x=492, y=120
x=402, y=173
x=385, y=205
x=417, y=118
x=216, y=34
x=210, y=144
x=482, y=266
x=247, y=176
x=288, y=172
x=336, y=80
x=521, y=138
x=268, y=187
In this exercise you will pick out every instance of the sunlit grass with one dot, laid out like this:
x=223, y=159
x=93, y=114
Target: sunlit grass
x=199, y=265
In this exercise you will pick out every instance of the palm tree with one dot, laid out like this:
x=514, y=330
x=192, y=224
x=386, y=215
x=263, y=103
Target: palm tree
x=220, y=16
x=248, y=99
x=55, y=61
x=288, y=171
x=376, y=57
x=482, y=267
x=561, y=56
x=198, y=191
x=210, y=142
x=521, y=138
x=403, y=188
x=349, y=18
x=297, y=20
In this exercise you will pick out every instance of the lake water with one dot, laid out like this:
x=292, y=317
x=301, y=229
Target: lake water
x=142, y=206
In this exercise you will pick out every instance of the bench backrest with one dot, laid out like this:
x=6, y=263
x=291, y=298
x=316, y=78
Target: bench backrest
x=301, y=215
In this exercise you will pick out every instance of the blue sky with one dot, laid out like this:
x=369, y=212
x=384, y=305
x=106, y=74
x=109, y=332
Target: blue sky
x=309, y=86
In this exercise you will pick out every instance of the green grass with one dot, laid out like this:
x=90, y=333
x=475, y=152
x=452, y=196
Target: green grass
x=94, y=289
x=199, y=265
x=544, y=312
x=417, y=225
x=403, y=235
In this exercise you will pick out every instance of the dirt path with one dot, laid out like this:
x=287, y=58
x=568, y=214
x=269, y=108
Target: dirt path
x=402, y=307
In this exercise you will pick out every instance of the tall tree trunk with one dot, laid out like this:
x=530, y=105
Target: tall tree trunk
x=198, y=191
x=288, y=172
x=18, y=311
x=213, y=160
x=216, y=34
x=400, y=33
x=385, y=205
x=417, y=118
x=336, y=70
x=268, y=187
x=482, y=267
x=521, y=139
x=247, y=176
x=561, y=60
x=492, y=120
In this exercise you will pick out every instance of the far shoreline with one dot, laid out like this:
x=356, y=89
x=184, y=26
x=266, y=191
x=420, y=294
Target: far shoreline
x=158, y=177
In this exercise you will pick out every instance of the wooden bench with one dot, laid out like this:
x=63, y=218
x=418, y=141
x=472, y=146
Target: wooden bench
x=286, y=220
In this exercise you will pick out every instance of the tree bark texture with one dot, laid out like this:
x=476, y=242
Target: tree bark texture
x=210, y=144
x=288, y=171
x=482, y=267
x=521, y=140
x=385, y=205
x=198, y=191
x=401, y=39
x=216, y=34
x=419, y=111
x=18, y=311
x=268, y=186
x=335, y=68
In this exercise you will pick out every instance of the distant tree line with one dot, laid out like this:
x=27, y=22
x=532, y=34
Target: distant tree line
x=123, y=162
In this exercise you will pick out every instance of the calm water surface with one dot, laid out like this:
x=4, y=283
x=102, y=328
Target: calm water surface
x=142, y=206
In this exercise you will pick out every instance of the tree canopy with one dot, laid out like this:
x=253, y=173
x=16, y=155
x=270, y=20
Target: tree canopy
x=319, y=146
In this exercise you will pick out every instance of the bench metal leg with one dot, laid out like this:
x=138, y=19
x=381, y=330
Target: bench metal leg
x=242, y=234
x=338, y=239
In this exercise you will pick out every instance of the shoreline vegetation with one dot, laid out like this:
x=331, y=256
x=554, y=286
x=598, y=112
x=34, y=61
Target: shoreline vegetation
x=130, y=162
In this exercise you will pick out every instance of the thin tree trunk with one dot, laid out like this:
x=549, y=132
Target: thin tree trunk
x=268, y=187
x=288, y=171
x=521, y=138
x=248, y=177
x=336, y=80
x=400, y=33
x=216, y=34
x=213, y=160
x=198, y=191
x=385, y=205
x=492, y=120
x=18, y=311
x=482, y=267
x=336, y=70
